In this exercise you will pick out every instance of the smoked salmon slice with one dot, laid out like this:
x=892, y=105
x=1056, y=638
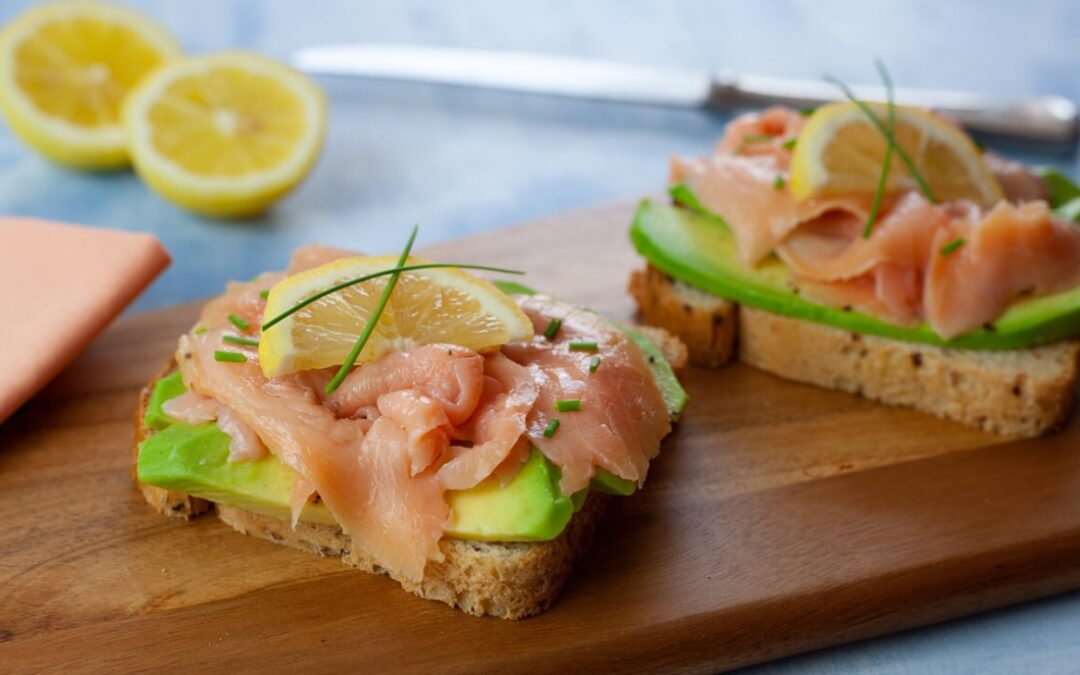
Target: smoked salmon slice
x=899, y=273
x=622, y=416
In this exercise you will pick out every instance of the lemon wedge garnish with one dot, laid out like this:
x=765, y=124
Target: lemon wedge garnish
x=226, y=134
x=427, y=306
x=840, y=152
x=64, y=72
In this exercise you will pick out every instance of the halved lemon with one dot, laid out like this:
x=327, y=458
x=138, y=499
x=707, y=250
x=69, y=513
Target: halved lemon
x=226, y=134
x=64, y=72
x=841, y=152
x=427, y=306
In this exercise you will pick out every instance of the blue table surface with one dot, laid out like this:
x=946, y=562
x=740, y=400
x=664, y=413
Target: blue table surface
x=461, y=161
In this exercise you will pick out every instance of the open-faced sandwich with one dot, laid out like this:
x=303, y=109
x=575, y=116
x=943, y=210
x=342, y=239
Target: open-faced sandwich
x=874, y=249
x=421, y=423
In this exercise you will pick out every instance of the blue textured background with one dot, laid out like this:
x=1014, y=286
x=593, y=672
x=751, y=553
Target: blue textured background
x=461, y=161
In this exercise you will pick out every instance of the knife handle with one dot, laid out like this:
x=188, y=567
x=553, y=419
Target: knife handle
x=1044, y=123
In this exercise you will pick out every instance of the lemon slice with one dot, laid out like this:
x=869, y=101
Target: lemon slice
x=64, y=71
x=840, y=152
x=427, y=306
x=226, y=134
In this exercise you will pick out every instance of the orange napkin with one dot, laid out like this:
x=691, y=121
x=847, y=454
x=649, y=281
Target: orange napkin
x=61, y=285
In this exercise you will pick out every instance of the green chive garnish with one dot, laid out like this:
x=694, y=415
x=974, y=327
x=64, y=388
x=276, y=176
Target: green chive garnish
x=883, y=179
x=779, y=182
x=373, y=319
x=552, y=329
x=239, y=322
x=583, y=347
x=551, y=428
x=594, y=363
x=757, y=138
x=368, y=277
x=200, y=330
x=806, y=112
x=237, y=340
x=790, y=143
x=568, y=405
x=952, y=246
x=904, y=157
x=233, y=357
x=264, y=294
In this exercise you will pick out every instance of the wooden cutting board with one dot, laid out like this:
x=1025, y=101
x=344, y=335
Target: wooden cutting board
x=779, y=518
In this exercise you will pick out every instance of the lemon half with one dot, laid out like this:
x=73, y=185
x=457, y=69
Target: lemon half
x=226, y=134
x=64, y=72
x=427, y=306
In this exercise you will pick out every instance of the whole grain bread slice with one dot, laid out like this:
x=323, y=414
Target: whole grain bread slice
x=1021, y=392
x=705, y=323
x=511, y=580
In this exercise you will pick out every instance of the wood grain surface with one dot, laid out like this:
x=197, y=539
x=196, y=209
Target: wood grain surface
x=779, y=518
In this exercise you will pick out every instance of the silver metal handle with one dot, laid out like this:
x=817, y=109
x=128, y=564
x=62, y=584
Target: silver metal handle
x=1047, y=123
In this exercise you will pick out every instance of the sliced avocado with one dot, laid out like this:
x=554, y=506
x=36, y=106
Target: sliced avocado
x=675, y=398
x=194, y=459
x=1063, y=192
x=608, y=483
x=530, y=508
x=167, y=387
x=699, y=249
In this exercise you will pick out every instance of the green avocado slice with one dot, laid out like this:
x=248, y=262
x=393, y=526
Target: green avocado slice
x=1064, y=194
x=194, y=459
x=531, y=507
x=699, y=249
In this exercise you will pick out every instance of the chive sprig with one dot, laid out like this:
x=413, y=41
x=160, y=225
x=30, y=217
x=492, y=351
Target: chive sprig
x=551, y=428
x=883, y=179
x=952, y=246
x=238, y=340
x=568, y=405
x=375, y=275
x=369, y=327
x=239, y=322
x=924, y=187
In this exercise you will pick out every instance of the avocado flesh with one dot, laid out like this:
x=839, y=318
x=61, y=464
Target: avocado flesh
x=1064, y=194
x=194, y=459
x=699, y=249
x=531, y=507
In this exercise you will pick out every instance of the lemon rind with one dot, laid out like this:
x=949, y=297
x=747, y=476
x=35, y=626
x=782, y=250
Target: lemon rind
x=275, y=355
x=56, y=138
x=806, y=159
x=224, y=195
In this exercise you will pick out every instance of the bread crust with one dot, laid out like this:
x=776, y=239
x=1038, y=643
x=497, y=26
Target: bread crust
x=1020, y=392
x=705, y=323
x=1025, y=392
x=511, y=580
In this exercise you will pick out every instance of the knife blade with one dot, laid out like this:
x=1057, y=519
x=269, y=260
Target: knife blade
x=1042, y=123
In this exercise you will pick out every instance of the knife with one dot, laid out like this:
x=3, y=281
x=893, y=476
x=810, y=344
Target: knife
x=1045, y=123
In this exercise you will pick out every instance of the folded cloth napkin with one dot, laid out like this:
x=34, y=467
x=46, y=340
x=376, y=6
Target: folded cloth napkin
x=61, y=285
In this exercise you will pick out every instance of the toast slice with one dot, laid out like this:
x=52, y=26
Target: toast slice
x=705, y=323
x=1021, y=392
x=511, y=580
